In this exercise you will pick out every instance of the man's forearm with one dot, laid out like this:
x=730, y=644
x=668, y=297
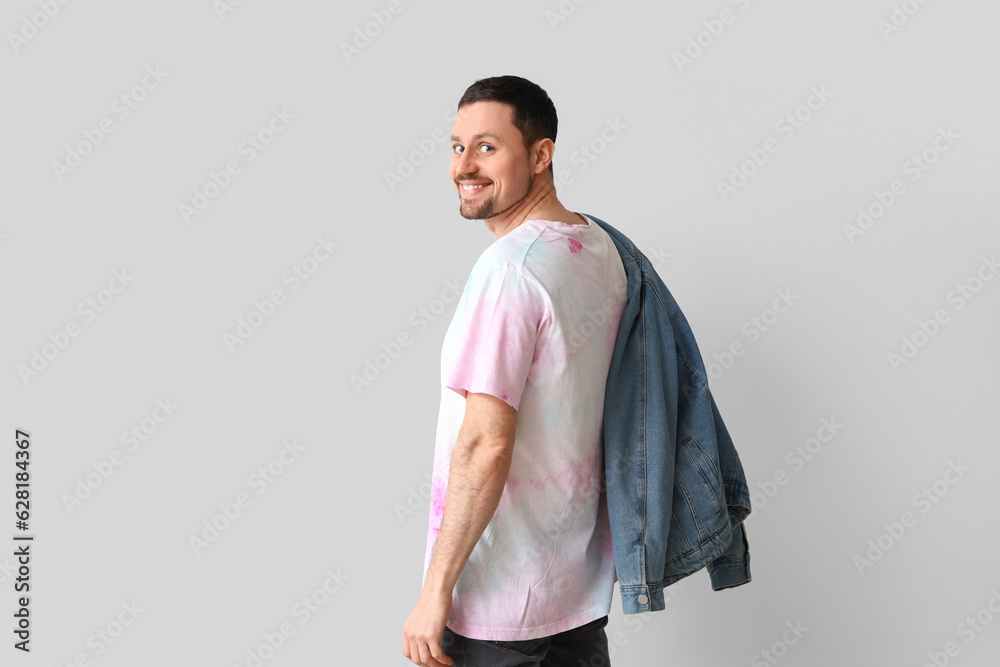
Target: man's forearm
x=476, y=480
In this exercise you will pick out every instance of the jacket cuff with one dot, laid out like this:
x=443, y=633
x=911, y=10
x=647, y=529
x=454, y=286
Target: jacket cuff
x=732, y=567
x=637, y=599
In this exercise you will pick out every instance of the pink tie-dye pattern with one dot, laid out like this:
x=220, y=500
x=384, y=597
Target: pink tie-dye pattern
x=438, y=491
x=437, y=498
x=544, y=564
x=483, y=312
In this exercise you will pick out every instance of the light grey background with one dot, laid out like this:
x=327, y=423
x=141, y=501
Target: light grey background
x=353, y=500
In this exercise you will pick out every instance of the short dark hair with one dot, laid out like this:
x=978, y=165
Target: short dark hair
x=534, y=113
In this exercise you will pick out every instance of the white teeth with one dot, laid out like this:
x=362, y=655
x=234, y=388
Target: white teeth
x=473, y=187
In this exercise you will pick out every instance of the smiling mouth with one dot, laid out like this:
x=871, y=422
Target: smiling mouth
x=473, y=188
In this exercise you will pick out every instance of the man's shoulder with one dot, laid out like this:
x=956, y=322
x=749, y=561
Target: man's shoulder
x=511, y=252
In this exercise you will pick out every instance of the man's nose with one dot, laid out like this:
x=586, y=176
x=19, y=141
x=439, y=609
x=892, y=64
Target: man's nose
x=464, y=163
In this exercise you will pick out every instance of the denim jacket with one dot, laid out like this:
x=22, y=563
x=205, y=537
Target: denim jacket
x=676, y=492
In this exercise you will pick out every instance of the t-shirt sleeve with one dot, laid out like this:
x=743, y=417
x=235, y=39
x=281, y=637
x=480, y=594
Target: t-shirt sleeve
x=503, y=315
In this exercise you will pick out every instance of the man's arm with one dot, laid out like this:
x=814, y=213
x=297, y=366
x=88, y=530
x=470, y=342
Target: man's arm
x=479, y=466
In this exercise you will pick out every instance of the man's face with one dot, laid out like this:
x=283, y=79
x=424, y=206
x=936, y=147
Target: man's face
x=487, y=151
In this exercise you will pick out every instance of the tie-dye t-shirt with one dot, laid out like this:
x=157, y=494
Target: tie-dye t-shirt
x=536, y=326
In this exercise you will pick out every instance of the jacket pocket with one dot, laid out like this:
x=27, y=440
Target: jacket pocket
x=707, y=464
x=700, y=480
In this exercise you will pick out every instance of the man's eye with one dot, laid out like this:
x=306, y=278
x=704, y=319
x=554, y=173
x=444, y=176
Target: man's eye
x=487, y=146
x=456, y=148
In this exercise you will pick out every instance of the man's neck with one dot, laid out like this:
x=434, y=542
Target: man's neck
x=543, y=205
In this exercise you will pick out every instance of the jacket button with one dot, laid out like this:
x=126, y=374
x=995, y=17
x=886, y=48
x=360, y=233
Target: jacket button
x=642, y=599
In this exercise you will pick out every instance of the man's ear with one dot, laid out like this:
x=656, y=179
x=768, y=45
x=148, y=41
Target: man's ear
x=542, y=152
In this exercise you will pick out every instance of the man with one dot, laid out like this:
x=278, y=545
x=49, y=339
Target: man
x=519, y=568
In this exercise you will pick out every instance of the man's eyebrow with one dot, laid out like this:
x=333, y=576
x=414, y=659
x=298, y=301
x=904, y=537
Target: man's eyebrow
x=477, y=136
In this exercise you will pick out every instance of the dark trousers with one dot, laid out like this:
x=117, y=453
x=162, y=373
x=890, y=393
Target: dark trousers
x=585, y=646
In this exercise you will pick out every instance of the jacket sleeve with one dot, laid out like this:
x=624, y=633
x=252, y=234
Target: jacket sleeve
x=732, y=567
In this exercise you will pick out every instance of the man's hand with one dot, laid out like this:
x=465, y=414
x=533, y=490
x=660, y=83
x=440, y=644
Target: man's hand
x=423, y=629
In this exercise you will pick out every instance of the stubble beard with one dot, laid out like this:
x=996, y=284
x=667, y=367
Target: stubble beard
x=485, y=210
